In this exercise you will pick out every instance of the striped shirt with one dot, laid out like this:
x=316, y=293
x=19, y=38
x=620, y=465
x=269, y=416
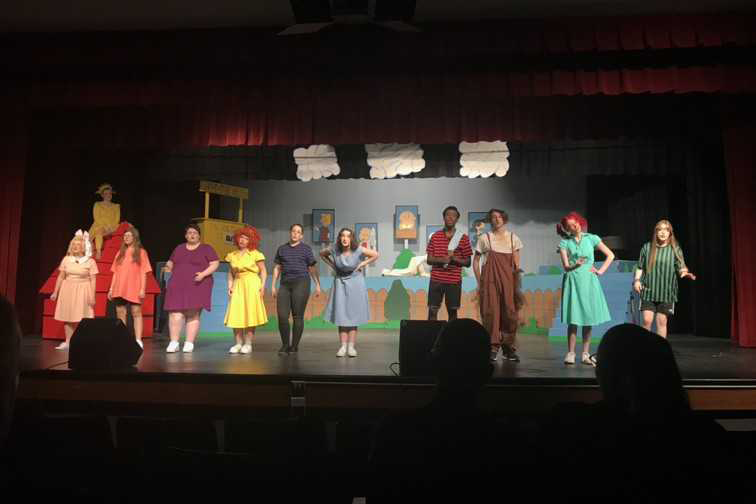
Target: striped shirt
x=660, y=284
x=294, y=260
x=438, y=246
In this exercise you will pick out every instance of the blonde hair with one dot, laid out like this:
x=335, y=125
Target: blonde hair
x=69, y=252
x=654, y=247
x=103, y=188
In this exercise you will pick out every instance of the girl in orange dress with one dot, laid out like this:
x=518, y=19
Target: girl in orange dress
x=75, y=286
x=127, y=287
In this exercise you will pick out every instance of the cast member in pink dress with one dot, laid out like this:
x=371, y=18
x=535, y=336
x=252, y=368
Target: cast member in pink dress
x=75, y=286
x=127, y=287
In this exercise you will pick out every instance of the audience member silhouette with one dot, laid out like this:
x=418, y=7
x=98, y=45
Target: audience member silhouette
x=442, y=447
x=10, y=344
x=641, y=441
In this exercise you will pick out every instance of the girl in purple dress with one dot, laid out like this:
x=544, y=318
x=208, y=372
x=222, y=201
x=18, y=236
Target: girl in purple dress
x=191, y=265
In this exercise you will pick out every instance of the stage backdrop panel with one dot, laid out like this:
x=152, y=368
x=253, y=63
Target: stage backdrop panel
x=534, y=204
x=394, y=299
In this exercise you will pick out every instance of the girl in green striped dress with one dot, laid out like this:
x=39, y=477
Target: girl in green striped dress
x=661, y=262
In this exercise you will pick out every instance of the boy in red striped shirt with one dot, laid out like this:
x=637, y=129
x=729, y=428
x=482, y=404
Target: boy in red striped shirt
x=448, y=251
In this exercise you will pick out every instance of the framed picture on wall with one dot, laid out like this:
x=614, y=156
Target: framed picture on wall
x=323, y=225
x=367, y=235
x=406, y=222
x=430, y=229
x=477, y=224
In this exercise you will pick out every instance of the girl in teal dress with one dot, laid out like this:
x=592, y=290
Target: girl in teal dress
x=583, y=302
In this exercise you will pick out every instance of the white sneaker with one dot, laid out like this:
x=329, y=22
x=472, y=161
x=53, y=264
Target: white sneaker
x=587, y=359
x=139, y=342
x=351, y=352
x=246, y=349
x=569, y=358
x=342, y=351
x=62, y=346
x=235, y=349
x=173, y=346
x=188, y=347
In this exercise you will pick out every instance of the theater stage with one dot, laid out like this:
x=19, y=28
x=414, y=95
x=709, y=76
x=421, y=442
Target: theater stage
x=720, y=378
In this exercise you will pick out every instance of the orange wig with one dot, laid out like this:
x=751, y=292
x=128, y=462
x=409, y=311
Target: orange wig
x=252, y=235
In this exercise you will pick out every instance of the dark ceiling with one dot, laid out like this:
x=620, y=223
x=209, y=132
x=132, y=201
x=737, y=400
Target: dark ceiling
x=95, y=15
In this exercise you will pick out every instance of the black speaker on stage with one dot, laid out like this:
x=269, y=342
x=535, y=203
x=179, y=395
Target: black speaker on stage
x=102, y=344
x=416, y=338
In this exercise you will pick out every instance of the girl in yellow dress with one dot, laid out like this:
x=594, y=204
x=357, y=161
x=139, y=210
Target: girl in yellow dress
x=106, y=215
x=246, y=288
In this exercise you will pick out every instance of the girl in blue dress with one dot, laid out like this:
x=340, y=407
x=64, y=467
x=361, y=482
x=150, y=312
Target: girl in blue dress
x=583, y=301
x=348, y=305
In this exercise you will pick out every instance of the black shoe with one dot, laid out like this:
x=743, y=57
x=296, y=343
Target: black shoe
x=283, y=350
x=293, y=350
x=512, y=356
x=493, y=356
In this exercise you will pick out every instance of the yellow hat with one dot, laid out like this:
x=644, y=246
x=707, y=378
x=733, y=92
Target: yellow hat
x=103, y=187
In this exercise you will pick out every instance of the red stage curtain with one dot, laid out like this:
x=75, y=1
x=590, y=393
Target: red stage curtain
x=307, y=93
x=398, y=107
x=386, y=117
x=638, y=33
x=13, y=150
x=740, y=154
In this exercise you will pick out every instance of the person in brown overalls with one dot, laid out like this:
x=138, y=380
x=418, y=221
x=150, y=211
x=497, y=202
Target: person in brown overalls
x=499, y=292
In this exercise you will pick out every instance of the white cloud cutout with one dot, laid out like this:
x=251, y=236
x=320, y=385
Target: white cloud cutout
x=483, y=159
x=390, y=160
x=316, y=161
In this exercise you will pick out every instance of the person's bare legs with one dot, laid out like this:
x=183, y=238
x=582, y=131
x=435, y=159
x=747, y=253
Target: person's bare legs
x=193, y=324
x=587, y=339
x=343, y=338
x=571, y=341
x=352, y=337
x=121, y=312
x=661, y=325
x=98, y=239
x=175, y=323
x=647, y=319
x=136, y=316
x=68, y=329
x=249, y=335
x=238, y=341
x=571, y=337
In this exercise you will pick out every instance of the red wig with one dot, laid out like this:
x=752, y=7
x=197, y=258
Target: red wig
x=562, y=229
x=252, y=235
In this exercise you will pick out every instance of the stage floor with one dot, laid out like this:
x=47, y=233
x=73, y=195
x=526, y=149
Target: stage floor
x=719, y=378
x=701, y=360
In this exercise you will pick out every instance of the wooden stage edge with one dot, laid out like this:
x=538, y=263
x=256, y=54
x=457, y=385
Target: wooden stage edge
x=296, y=394
x=719, y=378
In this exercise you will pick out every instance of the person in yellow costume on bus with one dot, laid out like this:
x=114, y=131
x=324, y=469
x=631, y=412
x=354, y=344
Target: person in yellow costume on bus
x=106, y=214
